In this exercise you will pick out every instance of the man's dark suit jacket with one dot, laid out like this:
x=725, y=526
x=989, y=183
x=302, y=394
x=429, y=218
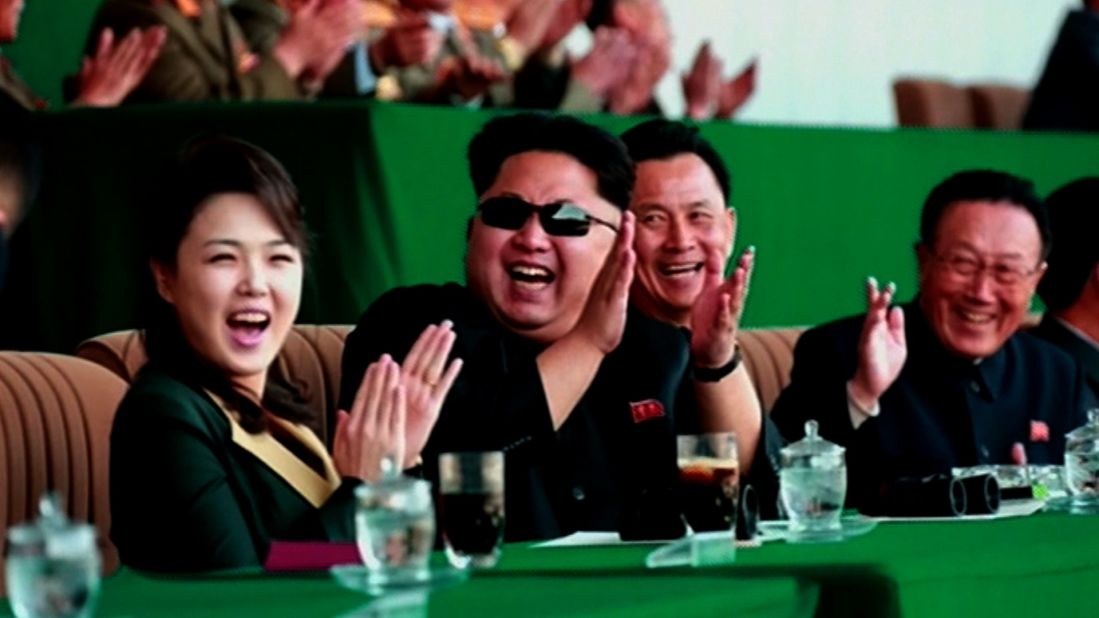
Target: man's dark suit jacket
x=610, y=466
x=1052, y=330
x=942, y=412
x=193, y=491
x=615, y=449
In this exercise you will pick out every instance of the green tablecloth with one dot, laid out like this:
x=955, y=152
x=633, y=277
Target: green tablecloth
x=497, y=593
x=387, y=198
x=1041, y=565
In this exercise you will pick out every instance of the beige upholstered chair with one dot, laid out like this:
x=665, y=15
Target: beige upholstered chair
x=310, y=358
x=769, y=356
x=998, y=106
x=55, y=423
x=932, y=103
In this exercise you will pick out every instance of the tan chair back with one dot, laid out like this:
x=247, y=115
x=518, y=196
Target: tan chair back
x=932, y=103
x=769, y=356
x=310, y=358
x=998, y=106
x=55, y=423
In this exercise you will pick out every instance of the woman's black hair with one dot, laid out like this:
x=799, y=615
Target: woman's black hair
x=207, y=167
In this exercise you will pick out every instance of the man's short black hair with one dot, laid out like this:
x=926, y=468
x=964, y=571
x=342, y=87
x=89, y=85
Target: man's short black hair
x=506, y=136
x=1074, y=221
x=664, y=139
x=985, y=186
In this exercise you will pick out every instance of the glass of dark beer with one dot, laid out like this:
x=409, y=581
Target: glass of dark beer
x=471, y=506
x=709, y=480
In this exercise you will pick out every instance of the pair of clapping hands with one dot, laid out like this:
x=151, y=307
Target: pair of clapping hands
x=414, y=40
x=317, y=37
x=117, y=66
x=715, y=315
x=396, y=407
x=708, y=94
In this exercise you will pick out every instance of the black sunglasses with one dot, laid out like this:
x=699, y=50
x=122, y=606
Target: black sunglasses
x=557, y=219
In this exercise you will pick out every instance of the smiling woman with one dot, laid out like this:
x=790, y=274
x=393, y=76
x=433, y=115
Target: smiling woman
x=212, y=457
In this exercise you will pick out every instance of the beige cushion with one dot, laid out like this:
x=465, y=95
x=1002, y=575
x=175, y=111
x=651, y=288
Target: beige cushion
x=769, y=355
x=932, y=103
x=998, y=106
x=55, y=422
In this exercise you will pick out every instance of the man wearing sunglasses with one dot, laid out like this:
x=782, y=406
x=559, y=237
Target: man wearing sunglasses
x=685, y=233
x=946, y=381
x=581, y=399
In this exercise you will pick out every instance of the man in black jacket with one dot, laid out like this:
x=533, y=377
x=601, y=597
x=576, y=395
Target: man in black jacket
x=581, y=398
x=1070, y=288
x=946, y=381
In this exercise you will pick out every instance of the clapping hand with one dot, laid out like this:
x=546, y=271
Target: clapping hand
x=411, y=41
x=882, y=347
x=115, y=70
x=468, y=77
x=716, y=313
x=702, y=86
x=317, y=36
x=396, y=407
x=426, y=378
x=375, y=428
x=736, y=92
x=603, y=320
x=601, y=69
x=635, y=92
x=530, y=21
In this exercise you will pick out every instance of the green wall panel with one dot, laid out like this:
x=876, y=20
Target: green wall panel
x=388, y=198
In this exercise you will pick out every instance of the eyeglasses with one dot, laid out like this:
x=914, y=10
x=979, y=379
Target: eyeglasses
x=557, y=219
x=966, y=265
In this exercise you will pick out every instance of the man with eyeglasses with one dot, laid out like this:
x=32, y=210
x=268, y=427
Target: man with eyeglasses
x=1070, y=287
x=581, y=399
x=947, y=381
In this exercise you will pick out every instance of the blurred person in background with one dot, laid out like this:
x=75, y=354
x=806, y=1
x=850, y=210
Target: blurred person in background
x=206, y=56
x=630, y=54
x=425, y=53
x=1070, y=287
x=401, y=44
x=20, y=172
x=1066, y=97
x=110, y=71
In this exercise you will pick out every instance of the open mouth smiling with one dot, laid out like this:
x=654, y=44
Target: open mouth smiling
x=530, y=275
x=680, y=270
x=248, y=326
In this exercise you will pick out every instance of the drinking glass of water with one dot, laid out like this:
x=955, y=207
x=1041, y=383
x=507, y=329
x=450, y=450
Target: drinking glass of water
x=52, y=573
x=813, y=483
x=395, y=530
x=471, y=505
